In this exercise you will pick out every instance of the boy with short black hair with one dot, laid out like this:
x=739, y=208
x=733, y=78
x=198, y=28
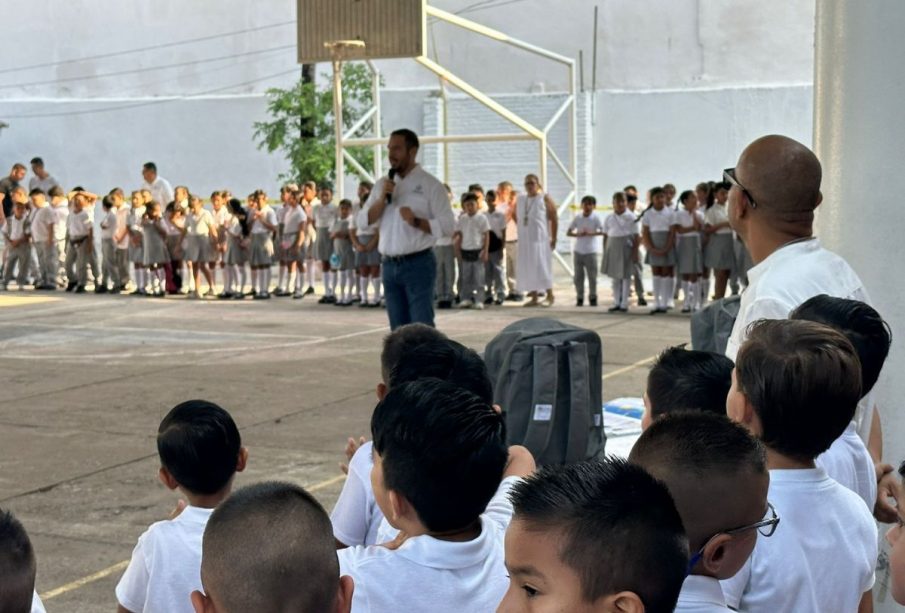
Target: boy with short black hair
x=41, y=221
x=200, y=453
x=795, y=386
x=848, y=460
x=686, y=380
x=441, y=475
x=471, y=241
x=268, y=548
x=493, y=273
x=108, y=246
x=80, y=234
x=717, y=475
x=587, y=229
x=17, y=566
x=17, y=237
x=594, y=536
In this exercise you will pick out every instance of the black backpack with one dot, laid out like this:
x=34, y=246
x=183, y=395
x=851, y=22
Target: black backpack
x=547, y=377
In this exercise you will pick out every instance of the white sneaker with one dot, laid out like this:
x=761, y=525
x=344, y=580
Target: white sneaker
x=478, y=305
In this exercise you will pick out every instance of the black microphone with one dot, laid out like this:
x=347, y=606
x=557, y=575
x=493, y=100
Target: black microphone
x=392, y=176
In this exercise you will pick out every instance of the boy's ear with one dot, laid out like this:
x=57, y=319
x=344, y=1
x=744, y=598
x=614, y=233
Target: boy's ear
x=167, y=478
x=399, y=505
x=242, y=462
x=344, y=594
x=623, y=602
x=715, y=554
x=381, y=391
x=202, y=603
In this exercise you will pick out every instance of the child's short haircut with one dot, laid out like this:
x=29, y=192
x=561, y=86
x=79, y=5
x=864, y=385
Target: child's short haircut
x=36, y=191
x=441, y=447
x=490, y=196
x=861, y=324
x=469, y=197
x=269, y=547
x=17, y=565
x=656, y=191
x=56, y=192
x=682, y=380
x=117, y=191
x=699, y=456
x=619, y=197
x=107, y=202
x=589, y=199
x=803, y=380
x=475, y=188
x=620, y=529
x=447, y=360
x=199, y=445
x=402, y=340
x=345, y=202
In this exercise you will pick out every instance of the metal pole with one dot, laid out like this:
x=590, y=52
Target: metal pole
x=338, y=124
x=375, y=94
x=573, y=122
x=580, y=70
x=594, y=74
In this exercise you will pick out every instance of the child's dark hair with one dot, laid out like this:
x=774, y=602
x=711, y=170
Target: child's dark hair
x=401, y=341
x=107, y=202
x=442, y=448
x=803, y=380
x=345, y=202
x=690, y=451
x=618, y=196
x=56, y=192
x=447, y=360
x=490, y=196
x=269, y=544
x=35, y=192
x=656, y=191
x=199, y=445
x=469, y=197
x=236, y=208
x=861, y=324
x=683, y=379
x=686, y=195
x=589, y=200
x=620, y=529
x=17, y=565
x=708, y=189
x=475, y=188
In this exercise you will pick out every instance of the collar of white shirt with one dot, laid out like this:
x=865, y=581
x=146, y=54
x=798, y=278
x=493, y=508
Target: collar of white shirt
x=699, y=589
x=434, y=553
x=783, y=254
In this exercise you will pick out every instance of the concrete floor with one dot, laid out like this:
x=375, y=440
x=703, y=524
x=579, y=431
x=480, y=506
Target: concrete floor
x=88, y=378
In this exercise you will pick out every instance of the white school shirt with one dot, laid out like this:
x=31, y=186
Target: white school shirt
x=356, y=517
x=685, y=219
x=325, y=215
x=161, y=191
x=511, y=225
x=270, y=216
x=497, y=223
x=220, y=217
x=61, y=221
x=134, y=220
x=166, y=565
x=716, y=215
x=427, y=574
x=473, y=228
x=40, y=220
x=293, y=218
x=821, y=557
x=788, y=277
x=592, y=223
x=658, y=221
x=122, y=222
x=110, y=222
x=849, y=462
x=200, y=224
x=425, y=195
x=701, y=594
x=78, y=224
x=16, y=228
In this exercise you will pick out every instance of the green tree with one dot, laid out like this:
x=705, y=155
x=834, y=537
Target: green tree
x=301, y=124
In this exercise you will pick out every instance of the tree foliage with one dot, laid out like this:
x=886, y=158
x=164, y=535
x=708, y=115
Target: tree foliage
x=301, y=124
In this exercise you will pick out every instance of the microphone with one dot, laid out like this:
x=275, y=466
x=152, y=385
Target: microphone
x=391, y=176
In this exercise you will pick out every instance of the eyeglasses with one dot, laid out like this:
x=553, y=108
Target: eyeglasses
x=765, y=527
x=729, y=175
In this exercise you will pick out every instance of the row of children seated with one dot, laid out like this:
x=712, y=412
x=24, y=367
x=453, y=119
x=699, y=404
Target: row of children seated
x=741, y=492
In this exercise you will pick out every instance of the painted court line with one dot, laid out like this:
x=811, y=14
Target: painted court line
x=629, y=368
x=106, y=572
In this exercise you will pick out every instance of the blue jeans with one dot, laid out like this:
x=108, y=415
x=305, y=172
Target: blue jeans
x=408, y=289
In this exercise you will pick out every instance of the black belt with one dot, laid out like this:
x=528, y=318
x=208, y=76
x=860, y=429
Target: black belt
x=398, y=259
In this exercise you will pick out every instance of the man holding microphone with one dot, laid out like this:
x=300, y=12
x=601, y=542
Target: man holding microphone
x=411, y=210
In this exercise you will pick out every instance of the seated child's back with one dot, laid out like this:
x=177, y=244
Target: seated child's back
x=200, y=452
x=441, y=478
x=17, y=566
x=795, y=386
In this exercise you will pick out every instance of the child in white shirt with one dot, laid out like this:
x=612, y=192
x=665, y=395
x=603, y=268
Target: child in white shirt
x=586, y=227
x=619, y=237
x=108, y=246
x=166, y=564
x=17, y=236
x=80, y=234
x=42, y=220
x=824, y=557
x=442, y=475
x=847, y=460
x=472, y=240
x=600, y=535
x=717, y=475
x=688, y=223
x=658, y=235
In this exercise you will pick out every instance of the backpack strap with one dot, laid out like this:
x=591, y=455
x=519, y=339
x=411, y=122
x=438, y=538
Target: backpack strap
x=543, y=400
x=580, y=420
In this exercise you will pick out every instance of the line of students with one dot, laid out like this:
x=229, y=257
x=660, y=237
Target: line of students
x=742, y=491
x=682, y=244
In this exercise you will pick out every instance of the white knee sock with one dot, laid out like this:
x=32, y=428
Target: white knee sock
x=705, y=292
x=345, y=287
x=333, y=279
x=327, y=291
x=669, y=286
x=658, y=293
x=140, y=278
x=375, y=285
x=616, y=285
x=228, y=280
x=243, y=276
x=162, y=279
x=299, y=277
x=363, y=288
x=626, y=288
x=281, y=280
x=309, y=272
x=688, y=288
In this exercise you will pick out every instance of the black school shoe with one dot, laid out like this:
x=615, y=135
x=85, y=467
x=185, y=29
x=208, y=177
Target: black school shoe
x=444, y=304
x=642, y=302
x=579, y=302
x=593, y=301
x=80, y=289
x=71, y=286
x=101, y=289
x=488, y=300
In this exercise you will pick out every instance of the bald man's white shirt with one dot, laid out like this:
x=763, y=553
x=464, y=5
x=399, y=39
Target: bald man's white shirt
x=161, y=191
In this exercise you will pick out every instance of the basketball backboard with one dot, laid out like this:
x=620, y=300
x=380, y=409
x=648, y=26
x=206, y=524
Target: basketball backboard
x=389, y=28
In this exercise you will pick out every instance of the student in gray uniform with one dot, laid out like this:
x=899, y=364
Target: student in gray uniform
x=472, y=239
x=136, y=243
x=659, y=239
x=16, y=235
x=688, y=223
x=80, y=230
x=719, y=251
x=325, y=213
x=586, y=228
x=237, y=229
x=631, y=203
x=367, y=258
x=108, y=246
x=264, y=224
x=494, y=280
x=343, y=257
x=619, y=240
x=157, y=256
x=445, y=255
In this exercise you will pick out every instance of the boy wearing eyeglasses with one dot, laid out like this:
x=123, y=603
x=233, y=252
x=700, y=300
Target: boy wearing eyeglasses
x=717, y=475
x=795, y=386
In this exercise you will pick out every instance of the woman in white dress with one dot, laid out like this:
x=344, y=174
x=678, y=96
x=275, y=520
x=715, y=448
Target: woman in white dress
x=535, y=214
